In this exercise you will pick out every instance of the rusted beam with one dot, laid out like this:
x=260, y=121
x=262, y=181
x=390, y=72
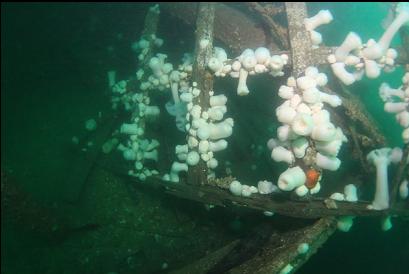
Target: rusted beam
x=203, y=265
x=267, y=11
x=279, y=248
x=282, y=248
x=300, y=41
x=202, y=78
x=217, y=193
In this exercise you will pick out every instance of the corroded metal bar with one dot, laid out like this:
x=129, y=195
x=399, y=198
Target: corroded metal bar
x=217, y=193
x=202, y=78
x=282, y=248
x=300, y=41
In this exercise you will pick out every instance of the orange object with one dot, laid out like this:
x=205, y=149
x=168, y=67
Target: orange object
x=312, y=178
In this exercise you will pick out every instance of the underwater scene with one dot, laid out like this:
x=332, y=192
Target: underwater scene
x=205, y=137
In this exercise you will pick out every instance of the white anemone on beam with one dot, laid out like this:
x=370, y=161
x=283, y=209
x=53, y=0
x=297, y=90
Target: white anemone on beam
x=242, y=88
x=291, y=179
x=384, y=42
x=381, y=158
x=351, y=42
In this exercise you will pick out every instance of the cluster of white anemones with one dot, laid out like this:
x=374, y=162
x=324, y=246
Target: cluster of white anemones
x=158, y=66
x=160, y=79
x=207, y=133
x=353, y=54
x=350, y=194
x=164, y=77
x=371, y=57
x=139, y=151
x=321, y=18
x=137, y=148
x=120, y=95
x=160, y=76
x=239, y=189
x=306, y=125
x=143, y=46
x=397, y=101
x=250, y=62
x=263, y=187
x=132, y=101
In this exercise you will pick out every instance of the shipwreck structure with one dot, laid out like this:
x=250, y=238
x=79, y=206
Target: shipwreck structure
x=280, y=28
